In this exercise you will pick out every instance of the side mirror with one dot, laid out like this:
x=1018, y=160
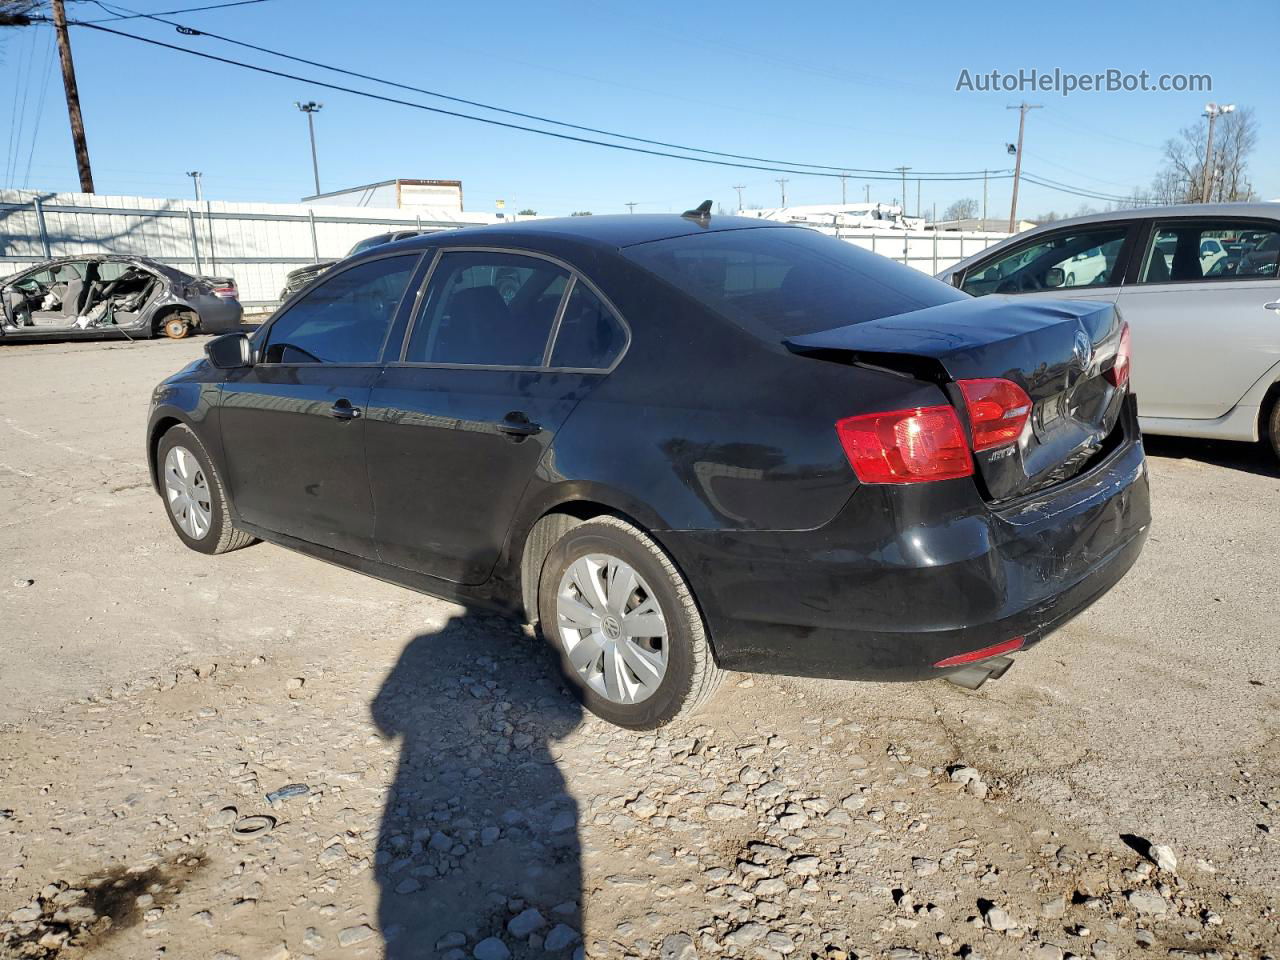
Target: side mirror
x=1054, y=277
x=230, y=351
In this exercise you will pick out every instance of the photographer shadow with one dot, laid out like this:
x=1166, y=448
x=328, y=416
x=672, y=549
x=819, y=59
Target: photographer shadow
x=478, y=826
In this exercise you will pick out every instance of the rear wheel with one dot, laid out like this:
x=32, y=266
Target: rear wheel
x=193, y=494
x=632, y=643
x=1271, y=425
x=176, y=326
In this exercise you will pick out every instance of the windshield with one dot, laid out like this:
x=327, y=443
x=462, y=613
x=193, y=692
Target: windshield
x=792, y=280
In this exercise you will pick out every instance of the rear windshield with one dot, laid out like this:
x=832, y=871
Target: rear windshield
x=792, y=281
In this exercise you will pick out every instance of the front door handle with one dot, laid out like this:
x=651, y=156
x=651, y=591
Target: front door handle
x=517, y=425
x=343, y=410
x=1274, y=305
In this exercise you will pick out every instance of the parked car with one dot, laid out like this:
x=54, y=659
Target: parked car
x=1198, y=287
x=295, y=280
x=108, y=295
x=681, y=445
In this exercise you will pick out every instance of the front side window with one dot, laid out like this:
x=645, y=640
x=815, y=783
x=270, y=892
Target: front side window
x=344, y=318
x=590, y=336
x=790, y=280
x=1079, y=258
x=1205, y=250
x=488, y=309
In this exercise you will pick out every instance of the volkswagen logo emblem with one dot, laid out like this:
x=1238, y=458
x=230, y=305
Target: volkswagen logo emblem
x=1083, y=349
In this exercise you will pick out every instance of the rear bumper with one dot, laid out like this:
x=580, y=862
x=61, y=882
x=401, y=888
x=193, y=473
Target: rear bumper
x=219, y=316
x=905, y=577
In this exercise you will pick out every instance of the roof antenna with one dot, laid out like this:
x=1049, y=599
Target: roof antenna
x=701, y=212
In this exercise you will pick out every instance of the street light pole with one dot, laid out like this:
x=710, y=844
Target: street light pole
x=195, y=176
x=1212, y=111
x=310, y=108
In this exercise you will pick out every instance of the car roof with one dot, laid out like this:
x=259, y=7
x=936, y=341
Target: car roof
x=614, y=231
x=1266, y=211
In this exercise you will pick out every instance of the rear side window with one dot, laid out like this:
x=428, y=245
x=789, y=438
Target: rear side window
x=789, y=280
x=344, y=318
x=488, y=309
x=1207, y=250
x=590, y=336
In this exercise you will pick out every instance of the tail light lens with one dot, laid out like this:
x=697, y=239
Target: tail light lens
x=998, y=411
x=228, y=292
x=1118, y=375
x=906, y=446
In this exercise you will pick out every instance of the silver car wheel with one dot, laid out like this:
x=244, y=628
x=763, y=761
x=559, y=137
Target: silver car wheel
x=187, y=493
x=612, y=628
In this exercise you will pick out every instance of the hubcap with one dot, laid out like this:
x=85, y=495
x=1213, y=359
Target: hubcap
x=187, y=493
x=612, y=628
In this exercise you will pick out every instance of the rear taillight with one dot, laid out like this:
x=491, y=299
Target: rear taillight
x=906, y=446
x=227, y=292
x=1118, y=374
x=998, y=411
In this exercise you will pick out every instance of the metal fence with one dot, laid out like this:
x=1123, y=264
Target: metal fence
x=258, y=243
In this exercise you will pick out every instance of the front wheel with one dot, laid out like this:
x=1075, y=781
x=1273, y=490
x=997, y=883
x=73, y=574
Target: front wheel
x=631, y=641
x=193, y=494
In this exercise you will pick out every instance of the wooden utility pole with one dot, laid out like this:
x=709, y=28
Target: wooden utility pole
x=73, y=96
x=1022, y=109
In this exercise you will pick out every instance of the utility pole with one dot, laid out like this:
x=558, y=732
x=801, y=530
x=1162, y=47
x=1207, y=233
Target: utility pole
x=917, y=198
x=310, y=108
x=73, y=96
x=1022, y=109
x=844, y=189
x=782, y=182
x=631, y=207
x=867, y=187
x=1212, y=111
x=984, y=199
x=739, y=187
x=903, y=171
x=195, y=175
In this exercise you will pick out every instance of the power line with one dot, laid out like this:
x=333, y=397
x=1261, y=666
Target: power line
x=35, y=125
x=515, y=113
x=133, y=14
x=489, y=120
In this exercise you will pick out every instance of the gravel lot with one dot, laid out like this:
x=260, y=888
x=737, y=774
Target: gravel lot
x=458, y=804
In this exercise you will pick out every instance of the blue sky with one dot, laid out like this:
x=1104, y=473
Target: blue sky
x=865, y=85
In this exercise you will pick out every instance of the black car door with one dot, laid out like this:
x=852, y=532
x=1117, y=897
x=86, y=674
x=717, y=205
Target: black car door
x=292, y=424
x=458, y=426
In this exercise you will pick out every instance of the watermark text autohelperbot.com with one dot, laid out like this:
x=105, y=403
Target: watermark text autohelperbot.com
x=1066, y=83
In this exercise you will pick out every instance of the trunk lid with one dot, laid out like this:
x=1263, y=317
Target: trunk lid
x=1057, y=351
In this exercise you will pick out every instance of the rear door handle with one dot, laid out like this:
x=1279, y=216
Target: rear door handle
x=517, y=426
x=343, y=410
x=1275, y=305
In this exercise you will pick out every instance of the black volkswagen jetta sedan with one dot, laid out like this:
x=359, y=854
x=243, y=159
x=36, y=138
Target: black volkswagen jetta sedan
x=680, y=445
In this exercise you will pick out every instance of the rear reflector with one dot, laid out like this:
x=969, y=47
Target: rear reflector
x=973, y=656
x=906, y=446
x=998, y=411
x=1118, y=375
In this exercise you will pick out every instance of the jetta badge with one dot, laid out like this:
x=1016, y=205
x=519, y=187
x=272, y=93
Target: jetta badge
x=1083, y=349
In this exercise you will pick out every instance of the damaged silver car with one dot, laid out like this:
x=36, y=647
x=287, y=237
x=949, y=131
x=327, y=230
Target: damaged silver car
x=106, y=294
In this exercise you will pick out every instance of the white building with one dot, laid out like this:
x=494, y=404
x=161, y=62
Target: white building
x=443, y=195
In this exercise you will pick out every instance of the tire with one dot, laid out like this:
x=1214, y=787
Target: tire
x=206, y=527
x=689, y=674
x=1271, y=426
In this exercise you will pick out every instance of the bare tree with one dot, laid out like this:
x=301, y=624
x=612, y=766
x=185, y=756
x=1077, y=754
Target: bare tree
x=963, y=209
x=1181, y=179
